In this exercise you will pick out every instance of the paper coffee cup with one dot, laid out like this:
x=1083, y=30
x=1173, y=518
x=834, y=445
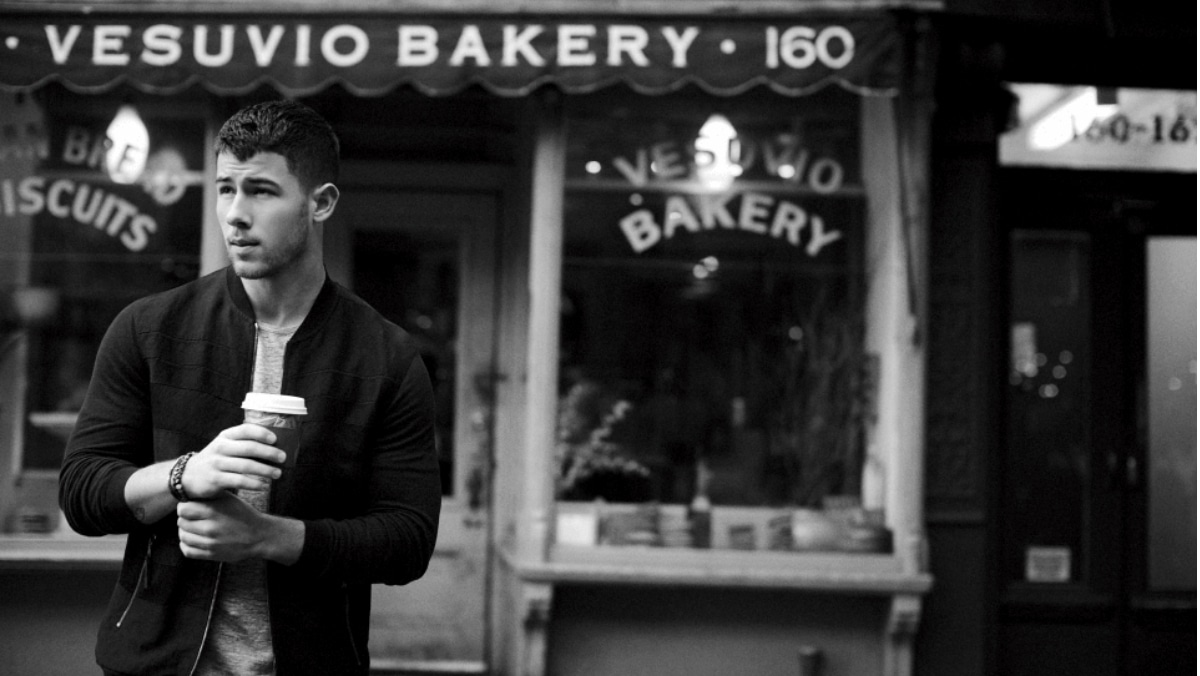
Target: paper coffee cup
x=281, y=414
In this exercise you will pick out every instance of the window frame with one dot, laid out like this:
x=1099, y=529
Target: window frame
x=893, y=161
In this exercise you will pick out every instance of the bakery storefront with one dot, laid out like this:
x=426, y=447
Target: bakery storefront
x=667, y=269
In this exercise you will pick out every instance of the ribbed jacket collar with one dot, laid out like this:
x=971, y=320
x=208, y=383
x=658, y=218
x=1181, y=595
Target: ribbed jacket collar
x=320, y=312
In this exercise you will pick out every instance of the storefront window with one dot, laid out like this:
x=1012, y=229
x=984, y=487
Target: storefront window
x=100, y=204
x=712, y=319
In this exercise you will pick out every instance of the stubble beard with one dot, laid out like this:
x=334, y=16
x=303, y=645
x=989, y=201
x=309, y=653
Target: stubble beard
x=274, y=261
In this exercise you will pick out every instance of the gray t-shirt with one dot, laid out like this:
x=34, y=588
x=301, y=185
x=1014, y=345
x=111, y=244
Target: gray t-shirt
x=239, y=635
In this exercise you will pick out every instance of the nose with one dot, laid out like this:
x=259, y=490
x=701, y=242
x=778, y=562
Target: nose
x=236, y=214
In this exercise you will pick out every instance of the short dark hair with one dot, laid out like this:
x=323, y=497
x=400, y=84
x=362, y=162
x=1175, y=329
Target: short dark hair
x=288, y=128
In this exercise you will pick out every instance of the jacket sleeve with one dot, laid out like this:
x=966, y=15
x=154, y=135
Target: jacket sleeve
x=394, y=540
x=112, y=437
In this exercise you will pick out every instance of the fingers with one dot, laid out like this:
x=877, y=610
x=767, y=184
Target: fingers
x=248, y=441
x=217, y=530
x=196, y=542
x=246, y=449
x=208, y=475
x=239, y=457
x=249, y=431
x=194, y=511
x=264, y=473
x=224, y=474
x=196, y=529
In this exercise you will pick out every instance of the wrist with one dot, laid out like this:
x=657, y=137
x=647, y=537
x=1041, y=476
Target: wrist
x=284, y=539
x=175, y=478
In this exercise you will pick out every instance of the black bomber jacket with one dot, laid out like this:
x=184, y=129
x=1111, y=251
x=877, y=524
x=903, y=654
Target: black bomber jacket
x=171, y=373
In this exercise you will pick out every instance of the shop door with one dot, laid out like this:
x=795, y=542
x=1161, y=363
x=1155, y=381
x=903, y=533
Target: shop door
x=426, y=260
x=1098, y=497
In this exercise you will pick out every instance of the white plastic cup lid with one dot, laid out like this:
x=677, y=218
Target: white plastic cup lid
x=274, y=403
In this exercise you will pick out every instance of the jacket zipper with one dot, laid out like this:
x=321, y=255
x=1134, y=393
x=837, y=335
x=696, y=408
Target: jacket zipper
x=250, y=388
x=212, y=602
x=253, y=359
x=349, y=629
x=143, y=581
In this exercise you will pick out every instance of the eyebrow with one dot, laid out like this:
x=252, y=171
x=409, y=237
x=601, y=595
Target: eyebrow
x=253, y=181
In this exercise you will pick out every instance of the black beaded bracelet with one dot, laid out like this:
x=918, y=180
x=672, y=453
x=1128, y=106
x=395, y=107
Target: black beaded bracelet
x=175, y=481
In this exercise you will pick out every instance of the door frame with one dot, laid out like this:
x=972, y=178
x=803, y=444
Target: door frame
x=469, y=507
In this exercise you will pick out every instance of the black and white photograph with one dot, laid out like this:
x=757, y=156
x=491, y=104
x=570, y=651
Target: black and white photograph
x=598, y=338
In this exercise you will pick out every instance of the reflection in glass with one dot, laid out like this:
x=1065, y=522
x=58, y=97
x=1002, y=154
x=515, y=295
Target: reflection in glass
x=412, y=279
x=1171, y=384
x=1047, y=458
x=712, y=330
x=129, y=144
x=98, y=237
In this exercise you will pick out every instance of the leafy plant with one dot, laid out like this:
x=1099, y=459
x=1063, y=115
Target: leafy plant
x=591, y=463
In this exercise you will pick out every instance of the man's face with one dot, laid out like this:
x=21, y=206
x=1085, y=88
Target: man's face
x=264, y=212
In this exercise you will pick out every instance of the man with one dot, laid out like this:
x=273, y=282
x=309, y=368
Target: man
x=234, y=566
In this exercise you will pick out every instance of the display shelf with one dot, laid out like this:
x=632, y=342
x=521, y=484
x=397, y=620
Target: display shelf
x=60, y=551
x=58, y=423
x=882, y=574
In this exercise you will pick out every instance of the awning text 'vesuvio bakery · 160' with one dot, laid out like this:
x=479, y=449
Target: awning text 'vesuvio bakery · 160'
x=439, y=56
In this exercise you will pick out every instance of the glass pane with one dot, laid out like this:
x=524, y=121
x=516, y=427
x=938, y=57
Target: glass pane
x=102, y=198
x=712, y=302
x=411, y=277
x=1046, y=463
x=1171, y=371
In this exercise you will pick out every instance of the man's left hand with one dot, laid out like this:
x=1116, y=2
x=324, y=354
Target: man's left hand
x=226, y=528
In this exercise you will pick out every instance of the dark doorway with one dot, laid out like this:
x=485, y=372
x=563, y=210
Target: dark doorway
x=1097, y=499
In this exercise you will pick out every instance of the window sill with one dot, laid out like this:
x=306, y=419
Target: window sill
x=58, y=551
x=880, y=574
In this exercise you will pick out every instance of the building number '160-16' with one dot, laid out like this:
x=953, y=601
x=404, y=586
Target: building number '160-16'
x=802, y=47
x=1121, y=129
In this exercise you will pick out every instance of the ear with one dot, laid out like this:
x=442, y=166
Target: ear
x=324, y=198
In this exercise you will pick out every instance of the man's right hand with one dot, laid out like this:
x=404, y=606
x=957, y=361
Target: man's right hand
x=239, y=457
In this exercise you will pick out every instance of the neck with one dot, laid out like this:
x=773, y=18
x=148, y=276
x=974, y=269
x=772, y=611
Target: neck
x=284, y=299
